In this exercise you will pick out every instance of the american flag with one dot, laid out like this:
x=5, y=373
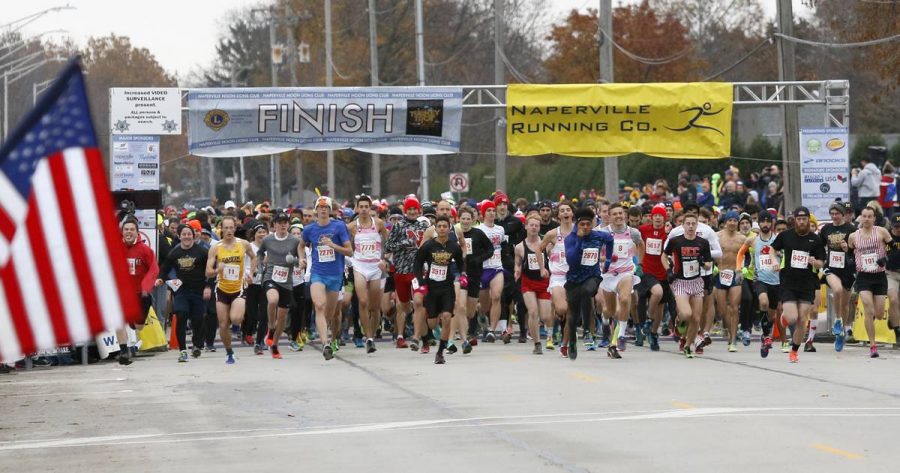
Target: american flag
x=63, y=271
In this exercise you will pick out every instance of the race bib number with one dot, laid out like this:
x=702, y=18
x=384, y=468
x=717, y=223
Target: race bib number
x=621, y=250
x=495, y=260
x=691, y=268
x=532, y=262
x=836, y=259
x=437, y=273
x=468, y=246
x=298, y=275
x=415, y=284
x=766, y=262
x=231, y=272
x=590, y=256
x=800, y=259
x=174, y=284
x=368, y=250
x=280, y=274
x=132, y=266
x=326, y=254
x=869, y=264
x=726, y=277
x=654, y=246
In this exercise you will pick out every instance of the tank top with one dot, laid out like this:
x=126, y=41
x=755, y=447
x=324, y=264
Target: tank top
x=869, y=250
x=530, y=267
x=231, y=264
x=367, y=244
x=623, y=250
x=558, y=265
x=765, y=261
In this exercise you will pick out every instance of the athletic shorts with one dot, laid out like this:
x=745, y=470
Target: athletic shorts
x=284, y=294
x=707, y=283
x=474, y=287
x=332, y=283
x=848, y=278
x=649, y=280
x=556, y=280
x=771, y=291
x=189, y=302
x=610, y=282
x=876, y=283
x=688, y=287
x=440, y=300
x=893, y=278
x=388, y=284
x=537, y=286
x=228, y=297
x=735, y=280
x=369, y=272
x=403, y=286
x=488, y=275
x=795, y=296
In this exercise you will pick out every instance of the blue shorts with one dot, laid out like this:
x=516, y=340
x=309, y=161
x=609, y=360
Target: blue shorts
x=736, y=281
x=488, y=275
x=189, y=303
x=332, y=283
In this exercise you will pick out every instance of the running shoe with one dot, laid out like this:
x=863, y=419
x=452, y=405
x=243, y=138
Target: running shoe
x=506, y=337
x=211, y=349
x=687, y=352
x=809, y=348
x=549, y=345
x=523, y=338
x=698, y=350
x=745, y=338
x=839, y=339
x=613, y=353
x=620, y=345
x=414, y=345
x=439, y=359
x=467, y=347
x=257, y=349
x=589, y=342
x=248, y=340
x=451, y=349
x=342, y=342
x=401, y=342
x=707, y=341
x=838, y=328
x=785, y=347
x=295, y=346
x=229, y=359
x=573, y=351
x=275, y=353
x=639, y=336
x=304, y=337
x=370, y=346
x=359, y=343
x=328, y=353
x=489, y=337
x=473, y=341
x=124, y=360
x=732, y=347
x=335, y=346
x=873, y=352
x=654, y=341
x=196, y=352
x=426, y=349
x=563, y=351
x=183, y=357
x=269, y=341
x=793, y=357
x=301, y=342
x=765, y=347
x=537, y=349
x=604, y=341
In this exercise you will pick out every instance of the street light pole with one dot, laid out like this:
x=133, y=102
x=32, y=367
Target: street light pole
x=420, y=63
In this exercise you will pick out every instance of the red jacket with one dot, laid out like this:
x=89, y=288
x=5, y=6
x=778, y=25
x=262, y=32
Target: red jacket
x=653, y=240
x=142, y=267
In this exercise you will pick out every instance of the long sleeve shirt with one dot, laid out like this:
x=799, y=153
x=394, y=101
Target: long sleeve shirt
x=868, y=181
x=142, y=266
x=583, y=254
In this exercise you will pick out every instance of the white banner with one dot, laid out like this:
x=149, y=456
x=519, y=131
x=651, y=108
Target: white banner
x=135, y=162
x=385, y=120
x=824, y=169
x=145, y=111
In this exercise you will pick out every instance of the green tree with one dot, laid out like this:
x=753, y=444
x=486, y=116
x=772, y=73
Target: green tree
x=861, y=148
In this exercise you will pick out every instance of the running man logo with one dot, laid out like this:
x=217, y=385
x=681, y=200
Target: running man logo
x=699, y=112
x=424, y=117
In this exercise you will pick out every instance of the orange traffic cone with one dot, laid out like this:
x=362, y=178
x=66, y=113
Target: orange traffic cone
x=173, y=335
x=776, y=330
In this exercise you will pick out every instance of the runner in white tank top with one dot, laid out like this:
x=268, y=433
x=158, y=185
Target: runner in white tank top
x=554, y=242
x=619, y=281
x=368, y=235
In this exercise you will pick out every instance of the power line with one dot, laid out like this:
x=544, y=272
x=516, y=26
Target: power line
x=741, y=60
x=512, y=69
x=646, y=60
x=839, y=45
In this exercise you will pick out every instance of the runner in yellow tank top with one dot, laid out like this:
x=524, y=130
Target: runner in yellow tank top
x=227, y=263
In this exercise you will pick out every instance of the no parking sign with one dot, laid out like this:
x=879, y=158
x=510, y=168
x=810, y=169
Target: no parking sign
x=459, y=182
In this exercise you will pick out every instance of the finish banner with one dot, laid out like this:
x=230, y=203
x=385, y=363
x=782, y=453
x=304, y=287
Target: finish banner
x=668, y=120
x=387, y=120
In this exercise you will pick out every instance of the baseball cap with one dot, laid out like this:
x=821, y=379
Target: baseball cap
x=281, y=217
x=428, y=209
x=230, y=205
x=801, y=212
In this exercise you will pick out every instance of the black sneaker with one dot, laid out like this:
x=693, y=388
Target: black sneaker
x=809, y=348
x=439, y=358
x=124, y=360
x=452, y=349
x=507, y=337
x=523, y=338
x=370, y=346
x=211, y=349
x=613, y=352
x=196, y=352
x=538, y=350
x=414, y=345
x=490, y=338
x=327, y=353
x=573, y=351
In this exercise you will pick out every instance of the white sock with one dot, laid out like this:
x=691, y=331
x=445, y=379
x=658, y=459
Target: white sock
x=501, y=326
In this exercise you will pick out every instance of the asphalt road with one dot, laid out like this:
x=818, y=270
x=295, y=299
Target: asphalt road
x=500, y=408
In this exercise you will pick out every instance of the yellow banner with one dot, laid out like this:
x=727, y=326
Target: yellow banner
x=669, y=120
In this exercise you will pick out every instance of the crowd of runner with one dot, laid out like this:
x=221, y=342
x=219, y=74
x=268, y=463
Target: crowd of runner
x=569, y=274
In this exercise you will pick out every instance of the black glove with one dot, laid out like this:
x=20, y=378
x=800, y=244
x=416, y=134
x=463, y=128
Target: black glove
x=881, y=261
x=670, y=275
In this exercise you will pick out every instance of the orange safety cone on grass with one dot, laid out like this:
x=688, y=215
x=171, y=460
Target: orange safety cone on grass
x=173, y=335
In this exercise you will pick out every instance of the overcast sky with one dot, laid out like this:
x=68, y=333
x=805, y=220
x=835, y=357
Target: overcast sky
x=164, y=27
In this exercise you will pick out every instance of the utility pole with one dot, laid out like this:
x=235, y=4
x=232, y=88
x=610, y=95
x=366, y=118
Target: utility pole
x=420, y=63
x=499, y=114
x=290, y=21
x=610, y=165
x=329, y=82
x=272, y=158
x=238, y=183
x=373, y=65
x=790, y=144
